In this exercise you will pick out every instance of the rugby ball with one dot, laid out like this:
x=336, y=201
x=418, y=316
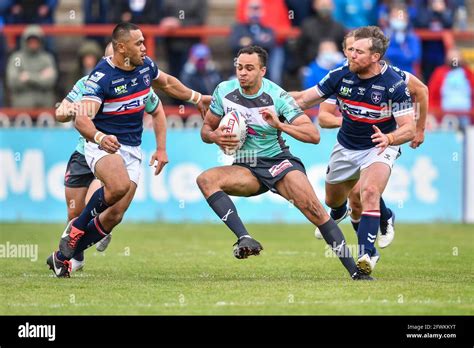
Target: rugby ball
x=237, y=124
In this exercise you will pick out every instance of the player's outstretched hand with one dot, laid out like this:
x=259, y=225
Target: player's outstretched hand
x=161, y=157
x=225, y=139
x=418, y=140
x=380, y=138
x=203, y=105
x=110, y=144
x=270, y=117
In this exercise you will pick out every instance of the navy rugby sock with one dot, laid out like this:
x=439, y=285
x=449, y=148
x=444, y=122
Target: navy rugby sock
x=385, y=213
x=94, y=233
x=367, y=232
x=333, y=236
x=223, y=206
x=94, y=207
x=355, y=224
x=338, y=212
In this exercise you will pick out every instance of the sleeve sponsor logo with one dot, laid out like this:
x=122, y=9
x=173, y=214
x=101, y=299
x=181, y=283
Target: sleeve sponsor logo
x=96, y=76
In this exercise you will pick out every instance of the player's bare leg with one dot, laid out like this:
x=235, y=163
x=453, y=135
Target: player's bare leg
x=355, y=205
x=75, y=201
x=373, y=181
x=216, y=184
x=296, y=188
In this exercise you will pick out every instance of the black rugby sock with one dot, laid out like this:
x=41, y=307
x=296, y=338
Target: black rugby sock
x=223, y=206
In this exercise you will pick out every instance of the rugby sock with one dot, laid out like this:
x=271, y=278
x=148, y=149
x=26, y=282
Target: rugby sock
x=333, y=236
x=337, y=213
x=94, y=207
x=94, y=233
x=355, y=224
x=385, y=213
x=225, y=209
x=79, y=257
x=367, y=231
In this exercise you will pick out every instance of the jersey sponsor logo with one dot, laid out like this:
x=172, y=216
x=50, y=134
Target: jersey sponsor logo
x=376, y=97
x=361, y=90
x=146, y=79
x=114, y=82
x=349, y=82
x=280, y=167
x=264, y=100
x=380, y=88
x=91, y=87
x=144, y=70
x=345, y=91
x=394, y=87
x=128, y=106
x=120, y=89
x=134, y=82
x=97, y=76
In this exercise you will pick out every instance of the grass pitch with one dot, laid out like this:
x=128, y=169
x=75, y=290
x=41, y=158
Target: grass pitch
x=184, y=269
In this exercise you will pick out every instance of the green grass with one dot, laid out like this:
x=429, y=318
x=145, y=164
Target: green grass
x=189, y=269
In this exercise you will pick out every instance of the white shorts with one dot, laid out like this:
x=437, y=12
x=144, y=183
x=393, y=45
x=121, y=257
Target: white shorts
x=131, y=155
x=346, y=164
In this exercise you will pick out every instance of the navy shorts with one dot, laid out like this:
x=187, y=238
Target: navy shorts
x=270, y=170
x=78, y=173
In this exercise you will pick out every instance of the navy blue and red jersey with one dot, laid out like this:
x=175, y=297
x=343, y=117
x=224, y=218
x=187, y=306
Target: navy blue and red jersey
x=123, y=95
x=365, y=102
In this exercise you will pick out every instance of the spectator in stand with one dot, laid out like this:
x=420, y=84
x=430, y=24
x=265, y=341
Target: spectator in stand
x=31, y=72
x=328, y=58
x=252, y=31
x=89, y=55
x=299, y=10
x=435, y=17
x=320, y=26
x=178, y=14
x=136, y=11
x=273, y=15
x=384, y=11
x=96, y=12
x=452, y=85
x=200, y=73
x=404, y=50
x=30, y=11
x=353, y=14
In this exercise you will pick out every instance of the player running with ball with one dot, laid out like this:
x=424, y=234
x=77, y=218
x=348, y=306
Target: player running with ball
x=269, y=111
x=378, y=118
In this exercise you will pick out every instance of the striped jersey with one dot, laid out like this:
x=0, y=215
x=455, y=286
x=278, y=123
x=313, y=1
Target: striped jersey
x=123, y=96
x=365, y=102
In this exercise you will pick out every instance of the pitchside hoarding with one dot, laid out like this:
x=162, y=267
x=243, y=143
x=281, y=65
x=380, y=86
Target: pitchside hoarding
x=426, y=184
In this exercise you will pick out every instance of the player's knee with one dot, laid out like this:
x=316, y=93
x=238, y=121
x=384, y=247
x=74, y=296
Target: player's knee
x=118, y=190
x=370, y=194
x=204, y=182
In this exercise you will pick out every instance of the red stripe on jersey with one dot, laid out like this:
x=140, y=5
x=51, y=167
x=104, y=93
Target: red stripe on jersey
x=131, y=111
x=128, y=97
x=365, y=105
x=367, y=120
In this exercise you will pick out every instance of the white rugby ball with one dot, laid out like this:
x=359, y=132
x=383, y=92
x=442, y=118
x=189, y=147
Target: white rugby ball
x=237, y=124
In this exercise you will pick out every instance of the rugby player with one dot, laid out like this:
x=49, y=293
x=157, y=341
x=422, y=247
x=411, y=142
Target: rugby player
x=378, y=118
x=328, y=118
x=79, y=182
x=110, y=118
x=264, y=162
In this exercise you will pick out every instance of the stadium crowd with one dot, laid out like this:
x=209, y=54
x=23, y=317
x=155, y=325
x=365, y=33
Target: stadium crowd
x=31, y=75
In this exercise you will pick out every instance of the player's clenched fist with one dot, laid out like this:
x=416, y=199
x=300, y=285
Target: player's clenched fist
x=110, y=144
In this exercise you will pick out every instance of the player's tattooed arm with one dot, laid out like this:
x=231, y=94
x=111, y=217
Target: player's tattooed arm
x=66, y=111
x=176, y=89
x=327, y=117
x=212, y=133
x=301, y=128
x=159, y=127
x=420, y=93
x=307, y=98
x=87, y=111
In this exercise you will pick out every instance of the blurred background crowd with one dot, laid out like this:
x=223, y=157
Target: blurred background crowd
x=37, y=70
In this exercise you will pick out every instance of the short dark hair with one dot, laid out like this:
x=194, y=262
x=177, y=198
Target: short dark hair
x=262, y=53
x=121, y=30
x=375, y=34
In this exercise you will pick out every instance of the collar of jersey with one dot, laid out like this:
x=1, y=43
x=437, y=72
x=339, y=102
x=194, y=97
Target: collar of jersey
x=260, y=91
x=109, y=61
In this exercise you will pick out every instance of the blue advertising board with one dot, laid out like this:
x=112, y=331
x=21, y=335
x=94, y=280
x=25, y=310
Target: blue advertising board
x=425, y=186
